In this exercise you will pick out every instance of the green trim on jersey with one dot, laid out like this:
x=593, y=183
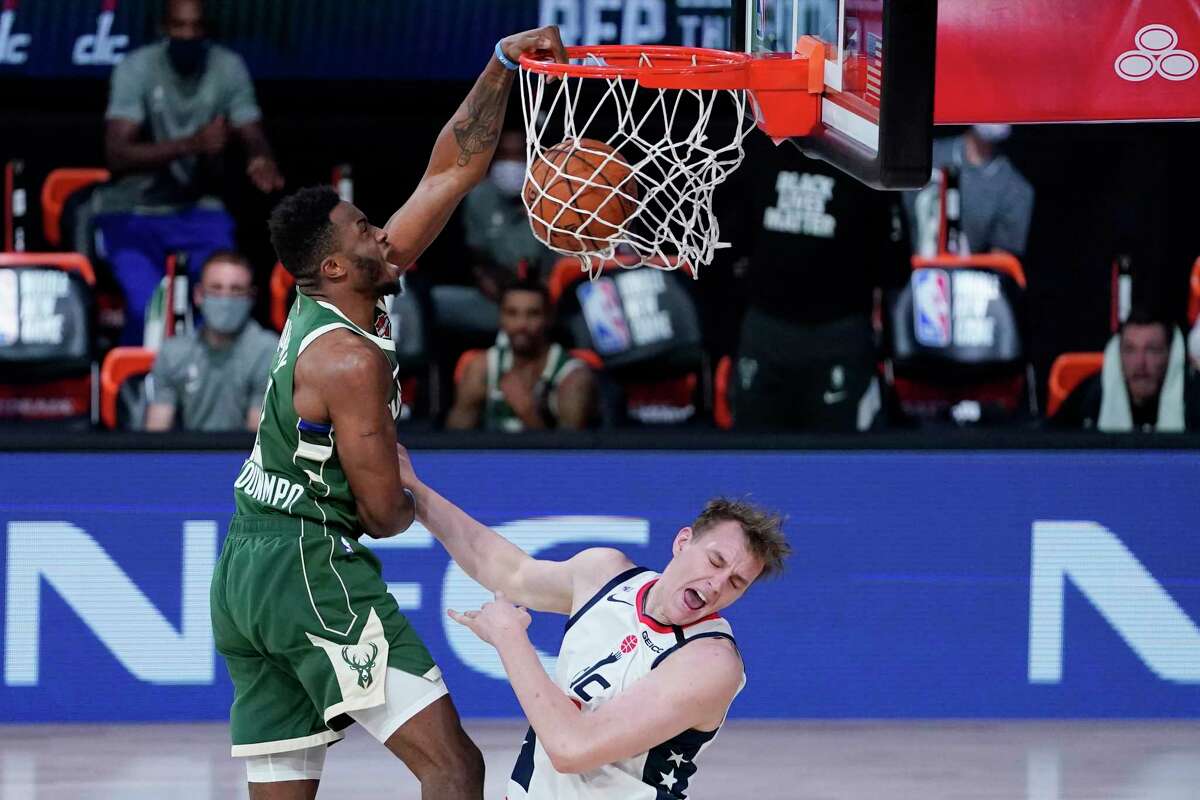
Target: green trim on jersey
x=498, y=415
x=293, y=470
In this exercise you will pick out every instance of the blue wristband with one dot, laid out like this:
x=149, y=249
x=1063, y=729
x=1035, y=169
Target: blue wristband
x=503, y=59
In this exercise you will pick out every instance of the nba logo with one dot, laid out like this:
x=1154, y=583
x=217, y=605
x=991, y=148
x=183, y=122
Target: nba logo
x=931, y=307
x=604, y=316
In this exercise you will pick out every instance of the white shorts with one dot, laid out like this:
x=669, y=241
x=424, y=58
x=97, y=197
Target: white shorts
x=406, y=695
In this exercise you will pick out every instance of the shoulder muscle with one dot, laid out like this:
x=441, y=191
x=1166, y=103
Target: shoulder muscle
x=592, y=568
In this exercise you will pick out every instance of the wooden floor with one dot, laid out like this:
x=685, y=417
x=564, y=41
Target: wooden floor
x=760, y=761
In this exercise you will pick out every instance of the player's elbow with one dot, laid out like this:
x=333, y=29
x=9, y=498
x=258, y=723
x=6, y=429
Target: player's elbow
x=570, y=756
x=385, y=521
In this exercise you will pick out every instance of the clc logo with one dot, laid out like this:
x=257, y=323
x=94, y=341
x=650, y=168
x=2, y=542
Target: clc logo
x=101, y=47
x=14, y=47
x=1156, y=54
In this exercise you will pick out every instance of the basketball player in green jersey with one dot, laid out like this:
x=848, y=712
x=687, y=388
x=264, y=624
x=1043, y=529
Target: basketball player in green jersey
x=312, y=639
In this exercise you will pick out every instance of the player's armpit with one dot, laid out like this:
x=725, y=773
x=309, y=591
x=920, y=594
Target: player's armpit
x=691, y=688
x=344, y=380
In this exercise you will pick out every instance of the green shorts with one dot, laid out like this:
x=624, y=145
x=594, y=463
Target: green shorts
x=307, y=628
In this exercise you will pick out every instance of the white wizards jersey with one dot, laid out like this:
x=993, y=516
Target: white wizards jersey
x=609, y=644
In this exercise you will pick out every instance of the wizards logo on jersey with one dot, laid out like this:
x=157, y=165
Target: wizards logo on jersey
x=586, y=678
x=604, y=315
x=931, y=307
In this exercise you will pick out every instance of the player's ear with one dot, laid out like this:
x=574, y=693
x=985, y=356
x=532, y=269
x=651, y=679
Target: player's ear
x=682, y=539
x=332, y=268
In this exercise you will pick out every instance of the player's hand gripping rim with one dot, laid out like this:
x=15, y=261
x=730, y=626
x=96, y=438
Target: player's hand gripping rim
x=539, y=43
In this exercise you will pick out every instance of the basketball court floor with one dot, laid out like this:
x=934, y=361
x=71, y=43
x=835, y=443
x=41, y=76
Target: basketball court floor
x=760, y=760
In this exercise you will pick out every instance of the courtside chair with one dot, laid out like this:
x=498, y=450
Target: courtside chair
x=60, y=184
x=1068, y=371
x=658, y=362
x=965, y=364
x=122, y=403
x=47, y=359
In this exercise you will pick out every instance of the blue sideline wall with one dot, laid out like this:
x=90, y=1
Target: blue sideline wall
x=1013, y=584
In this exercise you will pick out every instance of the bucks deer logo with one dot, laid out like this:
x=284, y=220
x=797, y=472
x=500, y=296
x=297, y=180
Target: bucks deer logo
x=363, y=667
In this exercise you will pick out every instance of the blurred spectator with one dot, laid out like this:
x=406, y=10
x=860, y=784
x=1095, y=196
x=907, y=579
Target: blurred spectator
x=1144, y=385
x=214, y=379
x=815, y=244
x=171, y=109
x=996, y=200
x=499, y=242
x=524, y=382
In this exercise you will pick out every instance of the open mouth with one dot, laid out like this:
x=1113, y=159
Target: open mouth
x=694, y=599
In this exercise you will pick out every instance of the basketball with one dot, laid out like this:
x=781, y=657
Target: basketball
x=570, y=182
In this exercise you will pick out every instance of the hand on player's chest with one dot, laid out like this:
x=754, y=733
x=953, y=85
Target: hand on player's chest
x=519, y=382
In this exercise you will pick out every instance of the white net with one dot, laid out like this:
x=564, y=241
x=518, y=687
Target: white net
x=577, y=127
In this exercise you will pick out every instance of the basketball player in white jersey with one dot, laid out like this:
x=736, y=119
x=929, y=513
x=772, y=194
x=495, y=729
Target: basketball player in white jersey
x=647, y=669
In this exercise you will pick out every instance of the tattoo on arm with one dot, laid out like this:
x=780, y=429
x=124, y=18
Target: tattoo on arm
x=478, y=132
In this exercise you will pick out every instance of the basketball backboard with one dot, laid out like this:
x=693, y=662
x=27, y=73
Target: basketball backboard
x=876, y=107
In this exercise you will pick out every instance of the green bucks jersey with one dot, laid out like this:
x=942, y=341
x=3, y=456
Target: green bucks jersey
x=498, y=415
x=294, y=469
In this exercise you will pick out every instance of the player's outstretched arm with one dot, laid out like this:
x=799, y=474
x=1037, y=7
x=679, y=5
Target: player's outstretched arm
x=500, y=565
x=463, y=150
x=692, y=688
x=492, y=560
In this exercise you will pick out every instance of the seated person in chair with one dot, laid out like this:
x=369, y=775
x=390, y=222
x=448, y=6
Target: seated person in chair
x=1145, y=384
x=500, y=244
x=173, y=110
x=214, y=379
x=525, y=381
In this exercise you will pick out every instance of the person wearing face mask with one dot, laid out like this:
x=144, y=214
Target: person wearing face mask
x=497, y=223
x=500, y=245
x=174, y=107
x=214, y=379
x=996, y=200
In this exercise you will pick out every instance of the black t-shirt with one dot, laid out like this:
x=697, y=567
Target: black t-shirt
x=1081, y=408
x=817, y=240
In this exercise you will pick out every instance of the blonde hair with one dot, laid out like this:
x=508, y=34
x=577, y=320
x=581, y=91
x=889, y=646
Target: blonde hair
x=763, y=530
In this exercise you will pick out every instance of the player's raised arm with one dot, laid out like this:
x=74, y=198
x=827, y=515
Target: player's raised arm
x=464, y=148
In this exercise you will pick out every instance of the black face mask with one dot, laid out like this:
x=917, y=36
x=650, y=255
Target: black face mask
x=188, y=56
